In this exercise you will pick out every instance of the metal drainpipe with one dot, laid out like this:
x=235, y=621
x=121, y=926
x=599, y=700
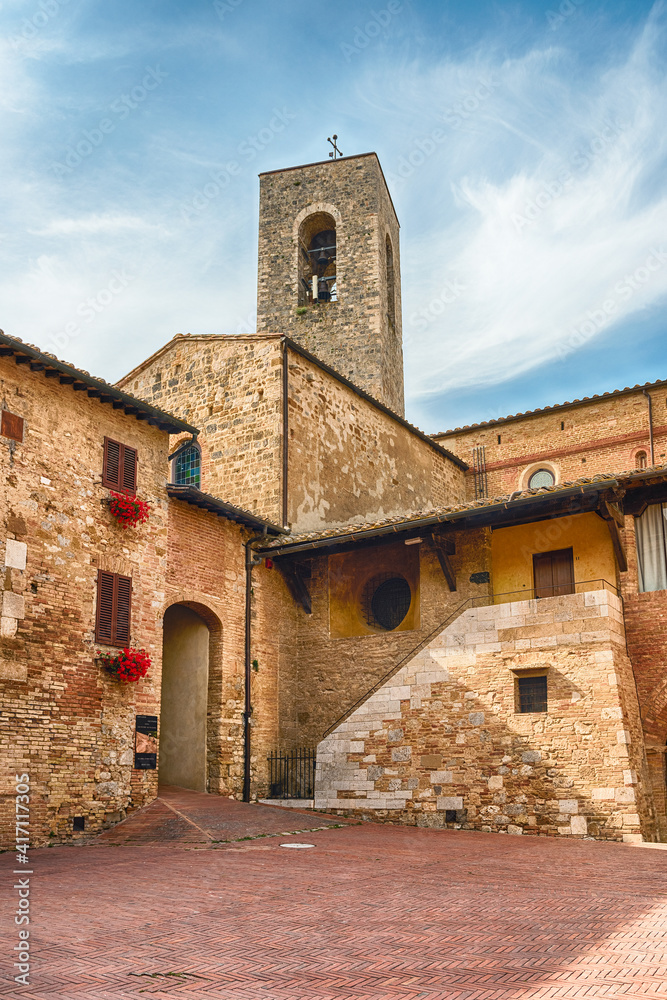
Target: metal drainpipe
x=285, y=431
x=650, y=424
x=249, y=563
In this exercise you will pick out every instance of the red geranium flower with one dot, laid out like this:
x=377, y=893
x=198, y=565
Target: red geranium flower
x=129, y=665
x=128, y=511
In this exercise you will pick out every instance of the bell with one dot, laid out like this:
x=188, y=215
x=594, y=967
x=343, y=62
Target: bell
x=322, y=263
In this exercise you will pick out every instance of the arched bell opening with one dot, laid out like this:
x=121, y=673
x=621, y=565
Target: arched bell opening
x=317, y=259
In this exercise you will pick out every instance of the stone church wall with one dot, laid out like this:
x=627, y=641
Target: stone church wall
x=230, y=388
x=603, y=435
x=64, y=721
x=442, y=742
x=350, y=461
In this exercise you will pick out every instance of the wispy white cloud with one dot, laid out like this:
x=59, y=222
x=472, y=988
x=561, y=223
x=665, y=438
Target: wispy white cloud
x=556, y=207
x=542, y=189
x=98, y=224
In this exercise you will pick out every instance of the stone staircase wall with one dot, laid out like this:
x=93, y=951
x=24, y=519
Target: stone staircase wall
x=443, y=743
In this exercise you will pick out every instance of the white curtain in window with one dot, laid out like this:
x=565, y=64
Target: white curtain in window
x=651, y=554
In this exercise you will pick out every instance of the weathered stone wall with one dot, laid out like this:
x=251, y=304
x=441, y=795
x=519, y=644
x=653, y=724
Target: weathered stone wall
x=443, y=734
x=64, y=720
x=230, y=388
x=349, y=460
x=354, y=334
x=603, y=435
x=323, y=676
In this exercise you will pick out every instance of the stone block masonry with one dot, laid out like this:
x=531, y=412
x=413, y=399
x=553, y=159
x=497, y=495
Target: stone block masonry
x=359, y=334
x=232, y=388
x=443, y=742
x=64, y=720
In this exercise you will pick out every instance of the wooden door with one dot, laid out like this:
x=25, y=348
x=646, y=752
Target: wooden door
x=553, y=573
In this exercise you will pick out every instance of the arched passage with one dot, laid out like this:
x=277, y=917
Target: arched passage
x=184, y=699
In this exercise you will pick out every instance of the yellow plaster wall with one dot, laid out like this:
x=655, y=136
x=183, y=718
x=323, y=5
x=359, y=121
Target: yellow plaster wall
x=348, y=574
x=512, y=551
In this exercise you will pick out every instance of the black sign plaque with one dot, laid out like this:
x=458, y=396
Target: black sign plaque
x=145, y=743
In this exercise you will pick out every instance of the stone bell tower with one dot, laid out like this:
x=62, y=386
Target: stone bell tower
x=329, y=269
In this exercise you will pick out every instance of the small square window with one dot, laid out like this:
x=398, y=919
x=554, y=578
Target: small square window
x=78, y=822
x=533, y=694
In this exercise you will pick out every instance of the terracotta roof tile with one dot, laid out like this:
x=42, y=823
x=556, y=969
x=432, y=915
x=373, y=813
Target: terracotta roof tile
x=551, y=409
x=499, y=501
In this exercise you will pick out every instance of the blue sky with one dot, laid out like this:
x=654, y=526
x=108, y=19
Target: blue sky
x=524, y=145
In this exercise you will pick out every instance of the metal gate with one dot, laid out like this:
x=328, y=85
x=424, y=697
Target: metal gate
x=292, y=774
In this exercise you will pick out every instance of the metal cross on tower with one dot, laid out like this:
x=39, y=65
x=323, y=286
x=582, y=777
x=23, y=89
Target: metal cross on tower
x=336, y=150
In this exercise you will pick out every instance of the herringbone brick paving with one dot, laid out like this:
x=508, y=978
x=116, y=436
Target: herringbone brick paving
x=371, y=913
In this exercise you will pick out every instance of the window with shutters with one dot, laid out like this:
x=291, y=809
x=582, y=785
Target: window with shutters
x=119, y=471
x=114, y=606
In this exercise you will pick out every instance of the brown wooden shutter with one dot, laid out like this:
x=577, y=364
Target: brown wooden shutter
x=129, y=470
x=563, y=572
x=12, y=426
x=104, y=623
x=543, y=574
x=114, y=607
x=123, y=610
x=553, y=573
x=112, y=464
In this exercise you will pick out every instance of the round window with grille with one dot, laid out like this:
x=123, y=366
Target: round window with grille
x=543, y=477
x=386, y=601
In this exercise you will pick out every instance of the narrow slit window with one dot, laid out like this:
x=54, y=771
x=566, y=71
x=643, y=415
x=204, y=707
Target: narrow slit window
x=391, y=286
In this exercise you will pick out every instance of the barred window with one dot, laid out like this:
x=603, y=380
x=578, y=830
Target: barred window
x=533, y=694
x=187, y=467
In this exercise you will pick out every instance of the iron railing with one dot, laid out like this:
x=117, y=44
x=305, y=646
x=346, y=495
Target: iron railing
x=292, y=773
x=484, y=600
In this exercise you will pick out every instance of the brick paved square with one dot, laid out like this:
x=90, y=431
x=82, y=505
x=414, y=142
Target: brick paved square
x=371, y=912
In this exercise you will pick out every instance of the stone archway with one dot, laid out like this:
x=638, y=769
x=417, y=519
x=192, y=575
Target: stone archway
x=184, y=699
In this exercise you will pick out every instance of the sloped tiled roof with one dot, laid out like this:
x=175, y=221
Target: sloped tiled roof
x=197, y=498
x=553, y=409
x=404, y=522
x=51, y=366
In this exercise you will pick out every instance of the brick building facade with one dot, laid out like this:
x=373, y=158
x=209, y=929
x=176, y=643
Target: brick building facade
x=470, y=628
